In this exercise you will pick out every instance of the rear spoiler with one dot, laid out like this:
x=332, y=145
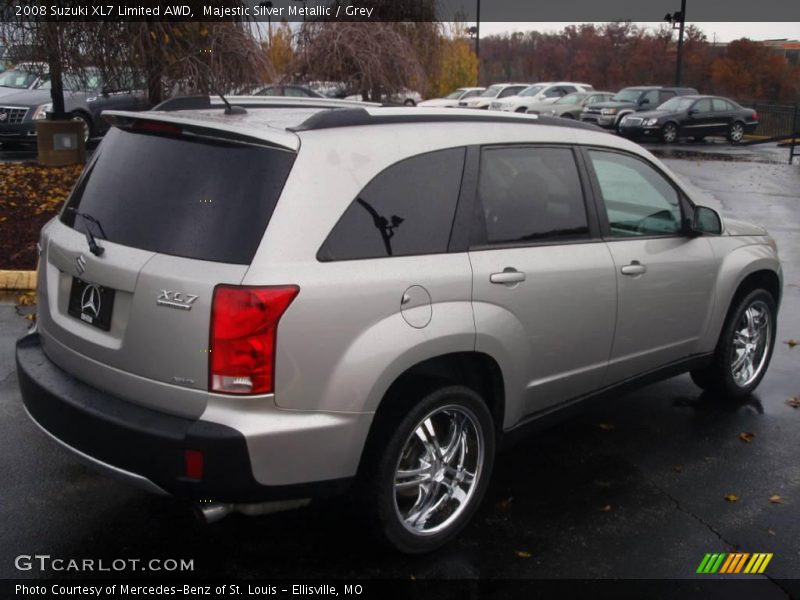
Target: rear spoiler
x=209, y=102
x=232, y=130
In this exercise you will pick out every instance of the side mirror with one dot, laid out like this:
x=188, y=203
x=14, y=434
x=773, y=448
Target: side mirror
x=706, y=220
x=644, y=101
x=693, y=112
x=105, y=91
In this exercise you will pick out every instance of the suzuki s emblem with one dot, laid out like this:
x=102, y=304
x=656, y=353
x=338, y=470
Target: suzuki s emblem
x=80, y=264
x=176, y=299
x=3, y=116
x=90, y=301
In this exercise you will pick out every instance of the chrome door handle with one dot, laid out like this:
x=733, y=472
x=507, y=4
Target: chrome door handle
x=509, y=275
x=635, y=268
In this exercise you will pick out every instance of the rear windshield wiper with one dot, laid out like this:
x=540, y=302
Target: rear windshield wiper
x=94, y=247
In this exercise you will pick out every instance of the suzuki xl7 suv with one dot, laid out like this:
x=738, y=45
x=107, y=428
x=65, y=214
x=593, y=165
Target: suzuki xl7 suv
x=259, y=306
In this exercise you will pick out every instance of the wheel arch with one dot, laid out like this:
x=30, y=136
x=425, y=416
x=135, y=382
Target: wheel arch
x=763, y=273
x=475, y=370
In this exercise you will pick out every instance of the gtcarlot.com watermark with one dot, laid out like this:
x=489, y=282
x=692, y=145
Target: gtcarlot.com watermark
x=45, y=563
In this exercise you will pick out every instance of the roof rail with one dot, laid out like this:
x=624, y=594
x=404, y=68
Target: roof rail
x=353, y=117
x=208, y=102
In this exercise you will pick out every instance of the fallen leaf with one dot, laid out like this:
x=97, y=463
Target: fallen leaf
x=792, y=343
x=678, y=468
x=769, y=531
x=732, y=498
x=747, y=437
x=606, y=508
x=523, y=554
x=794, y=402
x=776, y=499
x=505, y=504
x=601, y=483
x=606, y=426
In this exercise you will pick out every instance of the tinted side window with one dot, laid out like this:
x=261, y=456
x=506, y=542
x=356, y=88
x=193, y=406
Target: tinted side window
x=703, y=106
x=530, y=195
x=638, y=199
x=511, y=91
x=407, y=209
x=652, y=97
x=721, y=105
x=663, y=96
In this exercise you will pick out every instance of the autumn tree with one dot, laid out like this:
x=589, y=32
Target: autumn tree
x=458, y=66
x=280, y=51
x=372, y=58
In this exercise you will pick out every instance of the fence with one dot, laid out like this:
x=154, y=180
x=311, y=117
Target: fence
x=775, y=119
x=777, y=122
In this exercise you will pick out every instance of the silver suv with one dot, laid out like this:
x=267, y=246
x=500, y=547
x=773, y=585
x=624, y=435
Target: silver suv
x=254, y=309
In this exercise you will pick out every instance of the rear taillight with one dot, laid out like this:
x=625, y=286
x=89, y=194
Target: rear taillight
x=755, y=116
x=244, y=322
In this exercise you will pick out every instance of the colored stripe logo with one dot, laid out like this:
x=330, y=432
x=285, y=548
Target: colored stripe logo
x=734, y=562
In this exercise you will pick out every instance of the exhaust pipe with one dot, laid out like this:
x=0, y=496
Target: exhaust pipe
x=211, y=512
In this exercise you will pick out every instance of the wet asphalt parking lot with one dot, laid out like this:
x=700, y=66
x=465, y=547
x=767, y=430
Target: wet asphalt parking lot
x=633, y=487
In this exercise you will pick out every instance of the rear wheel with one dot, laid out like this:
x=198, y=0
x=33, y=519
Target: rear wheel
x=568, y=116
x=744, y=348
x=736, y=132
x=424, y=484
x=409, y=102
x=669, y=134
x=85, y=124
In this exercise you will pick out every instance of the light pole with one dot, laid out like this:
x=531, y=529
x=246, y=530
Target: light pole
x=678, y=21
x=475, y=32
x=268, y=4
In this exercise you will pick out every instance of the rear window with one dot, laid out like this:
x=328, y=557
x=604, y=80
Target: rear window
x=196, y=198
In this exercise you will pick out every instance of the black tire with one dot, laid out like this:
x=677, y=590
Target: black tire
x=523, y=110
x=736, y=132
x=720, y=377
x=394, y=442
x=568, y=116
x=669, y=133
x=409, y=102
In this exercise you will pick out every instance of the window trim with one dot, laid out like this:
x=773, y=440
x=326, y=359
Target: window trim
x=322, y=259
x=684, y=202
x=477, y=234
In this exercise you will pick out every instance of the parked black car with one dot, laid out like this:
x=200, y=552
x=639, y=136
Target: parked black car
x=629, y=100
x=84, y=98
x=692, y=116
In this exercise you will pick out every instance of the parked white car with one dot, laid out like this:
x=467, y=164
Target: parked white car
x=452, y=99
x=538, y=94
x=493, y=92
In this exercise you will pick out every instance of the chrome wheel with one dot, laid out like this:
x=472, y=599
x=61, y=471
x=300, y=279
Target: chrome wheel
x=751, y=341
x=737, y=132
x=670, y=133
x=439, y=469
x=85, y=127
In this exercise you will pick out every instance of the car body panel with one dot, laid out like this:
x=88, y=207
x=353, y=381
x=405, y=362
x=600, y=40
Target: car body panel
x=576, y=325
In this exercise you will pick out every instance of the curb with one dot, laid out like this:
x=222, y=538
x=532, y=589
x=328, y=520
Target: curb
x=17, y=280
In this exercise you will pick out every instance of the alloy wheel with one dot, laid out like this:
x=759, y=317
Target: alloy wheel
x=737, y=132
x=670, y=133
x=751, y=341
x=85, y=129
x=438, y=471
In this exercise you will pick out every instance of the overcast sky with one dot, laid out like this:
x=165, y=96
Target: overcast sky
x=725, y=32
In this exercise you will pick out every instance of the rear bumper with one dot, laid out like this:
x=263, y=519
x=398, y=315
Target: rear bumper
x=142, y=445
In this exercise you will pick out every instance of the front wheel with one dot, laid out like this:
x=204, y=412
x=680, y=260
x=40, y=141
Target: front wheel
x=736, y=132
x=669, y=133
x=86, y=125
x=744, y=348
x=430, y=476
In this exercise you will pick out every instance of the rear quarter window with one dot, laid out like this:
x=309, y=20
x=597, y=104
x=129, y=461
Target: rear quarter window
x=407, y=209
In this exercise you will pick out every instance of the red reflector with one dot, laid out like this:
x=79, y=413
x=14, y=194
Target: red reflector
x=244, y=322
x=157, y=127
x=194, y=464
x=755, y=116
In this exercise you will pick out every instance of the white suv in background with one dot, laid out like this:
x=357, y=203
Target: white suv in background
x=538, y=94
